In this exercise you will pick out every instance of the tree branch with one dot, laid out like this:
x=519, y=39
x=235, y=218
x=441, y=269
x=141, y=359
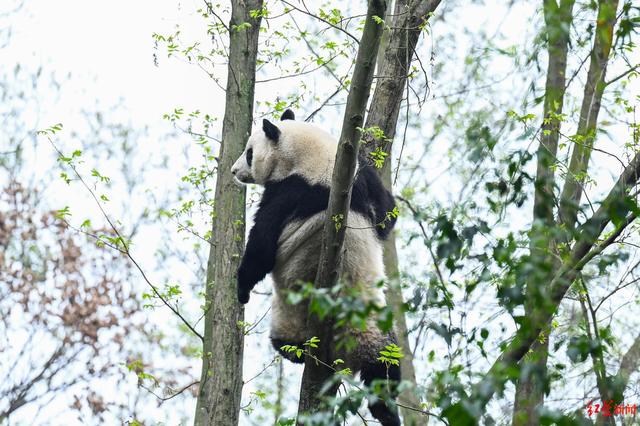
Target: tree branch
x=582, y=252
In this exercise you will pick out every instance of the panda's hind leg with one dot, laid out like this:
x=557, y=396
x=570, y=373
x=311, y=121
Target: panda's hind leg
x=389, y=377
x=288, y=327
x=378, y=376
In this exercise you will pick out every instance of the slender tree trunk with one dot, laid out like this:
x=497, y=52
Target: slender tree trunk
x=599, y=367
x=396, y=301
x=531, y=386
x=278, y=405
x=316, y=374
x=593, y=90
x=398, y=53
x=221, y=380
x=584, y=250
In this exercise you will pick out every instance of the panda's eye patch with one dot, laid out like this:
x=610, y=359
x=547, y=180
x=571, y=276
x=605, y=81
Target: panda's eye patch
x=249, y=156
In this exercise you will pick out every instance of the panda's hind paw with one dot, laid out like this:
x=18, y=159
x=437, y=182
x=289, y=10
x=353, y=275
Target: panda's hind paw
x=292, y=355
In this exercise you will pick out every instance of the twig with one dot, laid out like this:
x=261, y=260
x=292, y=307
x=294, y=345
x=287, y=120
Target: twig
x=307, y=12
x=210, y=10
x=426, y=238
x=273, y=361
x=322, y=105
x=125, y=249
x=623, y=75
x=173, y=395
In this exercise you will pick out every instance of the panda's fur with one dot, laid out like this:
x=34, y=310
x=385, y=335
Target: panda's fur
x=294, y=162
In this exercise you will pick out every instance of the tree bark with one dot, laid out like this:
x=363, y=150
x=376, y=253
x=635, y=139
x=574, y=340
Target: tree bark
x=221, y=379
x=410, y=16
x=398, y=53
x=316, y=374
x=530, y=387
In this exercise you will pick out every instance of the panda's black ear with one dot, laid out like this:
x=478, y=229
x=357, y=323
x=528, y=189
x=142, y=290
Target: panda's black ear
x=288, y=115
x=270, y=130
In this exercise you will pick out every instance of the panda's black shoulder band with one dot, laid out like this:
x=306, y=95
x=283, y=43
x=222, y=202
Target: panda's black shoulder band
x=370, y=198
x=282, y=202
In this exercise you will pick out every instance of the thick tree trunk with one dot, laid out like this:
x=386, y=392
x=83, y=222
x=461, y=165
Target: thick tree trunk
x=221, y=380
x=398, y=53
x=530, y=388
x=316, y=374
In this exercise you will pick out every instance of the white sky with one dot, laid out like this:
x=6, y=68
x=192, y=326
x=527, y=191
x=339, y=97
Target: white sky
x=108, y=49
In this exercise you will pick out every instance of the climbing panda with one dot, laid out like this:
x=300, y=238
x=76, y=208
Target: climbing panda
x=294, y=162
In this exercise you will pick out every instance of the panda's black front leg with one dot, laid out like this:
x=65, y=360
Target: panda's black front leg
x=260, y=254
x=248, y=276
x=257, y=262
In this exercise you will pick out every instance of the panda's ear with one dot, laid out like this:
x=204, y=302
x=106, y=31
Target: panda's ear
x=288, y=115
x=270, y=130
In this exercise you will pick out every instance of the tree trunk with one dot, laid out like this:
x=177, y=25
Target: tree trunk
x=593, y=90
x=585, y=249
x=316, y=374
x=531, y=386
x=221, y=380
x=399, y=52
x=599, y=367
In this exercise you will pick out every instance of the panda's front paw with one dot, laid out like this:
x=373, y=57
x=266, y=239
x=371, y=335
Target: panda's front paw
x=244, y=284
x=243, y=295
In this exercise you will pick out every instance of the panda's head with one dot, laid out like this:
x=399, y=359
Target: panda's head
x=277, y=151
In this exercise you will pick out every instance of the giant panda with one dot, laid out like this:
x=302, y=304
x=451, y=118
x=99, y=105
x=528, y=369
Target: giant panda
x=294, y=162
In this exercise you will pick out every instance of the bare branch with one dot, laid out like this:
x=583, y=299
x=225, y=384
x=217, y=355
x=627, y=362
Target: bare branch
x=307, y=12
x=125, y=246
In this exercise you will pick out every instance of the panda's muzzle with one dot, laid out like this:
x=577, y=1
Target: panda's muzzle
x=245, y=180
x=241, y=178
